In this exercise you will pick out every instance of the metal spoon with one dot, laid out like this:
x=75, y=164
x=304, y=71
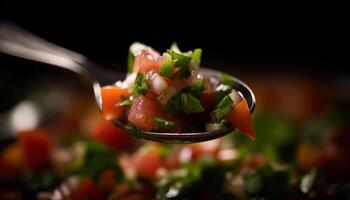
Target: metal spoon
x=18, y=42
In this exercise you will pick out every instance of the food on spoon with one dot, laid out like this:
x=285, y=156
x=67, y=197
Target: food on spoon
x=167, y=93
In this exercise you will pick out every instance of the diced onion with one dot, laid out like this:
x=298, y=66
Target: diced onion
x=128, y=82
x=195, y=76
x=164, y=97
x=156, y=82
x=235, y=97
x=213, y=126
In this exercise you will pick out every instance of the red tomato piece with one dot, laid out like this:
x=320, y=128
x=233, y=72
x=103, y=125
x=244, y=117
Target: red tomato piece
x=240, y=118
x=110, y=97
x=107, y=181
x=208, y=98
x=208, y=148
x=142, y=112
x=11, y=160
x=114, y=137
x=36, y=146
x=148, y=61
x=147, y=160
x=87, y=189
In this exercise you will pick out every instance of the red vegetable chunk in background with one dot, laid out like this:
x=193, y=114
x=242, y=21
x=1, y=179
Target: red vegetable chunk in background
x=114, y=137
x=36, y=146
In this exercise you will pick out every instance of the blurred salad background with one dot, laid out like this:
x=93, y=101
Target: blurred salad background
x=55, y=144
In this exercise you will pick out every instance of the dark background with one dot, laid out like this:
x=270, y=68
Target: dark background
x=255, y=37
x=236, y=32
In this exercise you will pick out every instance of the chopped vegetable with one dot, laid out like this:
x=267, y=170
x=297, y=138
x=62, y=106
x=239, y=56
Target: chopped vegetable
x=182, y=62
x=222, y=109
x=168, y=90
x=167, y=67
x=184, y=103
x=196, y=89
x=164, y=125
x=156, y=82
x=115, y=138
x=142, y=112
x=87, y=189
x=110, y=97
x=140, y=86
x=100, y=157
x=124, y=102
x=147, y=160
x=36, y=146
x=164, y=97
x=266, y=183
x=240, y=118
x=196, y=56
x=227, y=80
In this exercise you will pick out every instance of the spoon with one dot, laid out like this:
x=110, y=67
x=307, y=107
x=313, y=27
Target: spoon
x=20, y=43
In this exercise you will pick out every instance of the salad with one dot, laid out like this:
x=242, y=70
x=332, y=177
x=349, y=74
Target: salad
x=72, y=152
x=167, y=93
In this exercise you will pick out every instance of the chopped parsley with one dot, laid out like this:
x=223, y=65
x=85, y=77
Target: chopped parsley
x=222, y=109
x=140, y=86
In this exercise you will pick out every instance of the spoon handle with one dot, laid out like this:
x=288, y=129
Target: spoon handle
x=21, y=43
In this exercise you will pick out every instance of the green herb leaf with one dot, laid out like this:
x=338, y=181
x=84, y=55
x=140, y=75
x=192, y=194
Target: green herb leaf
x=140, y=86
x=132, y=130
x=196, y=56
x=227, y=80
x=167, y=68
x=164, y=125
x=191, y=104
x=222, y=109
x=184, y=103
x=220, y=92
x=131, y=60
x=265, y=183
x=124, y=102
x=182, y=62
x=101, y=157
x=196, y=89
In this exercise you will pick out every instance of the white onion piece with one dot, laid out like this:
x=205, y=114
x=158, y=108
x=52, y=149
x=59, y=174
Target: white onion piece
x=194, y=77
x=235, y=97
x=128, y=82
x=166, y=95
x=213, y=126
x=156, y=82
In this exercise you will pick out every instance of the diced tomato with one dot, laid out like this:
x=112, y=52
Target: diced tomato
x=148, y=61
x=208, y=98
x=110, y=97
x=147, y=160
x=107, y=181
x=87, y=189
x=172, y=160
x=114, y=137
x=36, y=146
x=11, y=160
x=308, y=156
x=252, y=162
x=142, y=112
x=240, y=118
x=208, y=148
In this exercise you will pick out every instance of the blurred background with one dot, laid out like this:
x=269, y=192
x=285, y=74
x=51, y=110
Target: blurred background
x=293, y=55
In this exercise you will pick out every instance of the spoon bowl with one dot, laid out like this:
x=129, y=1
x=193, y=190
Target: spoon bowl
x=20, y=43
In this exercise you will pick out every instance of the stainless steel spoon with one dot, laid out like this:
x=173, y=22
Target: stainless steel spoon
x=18, y=42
